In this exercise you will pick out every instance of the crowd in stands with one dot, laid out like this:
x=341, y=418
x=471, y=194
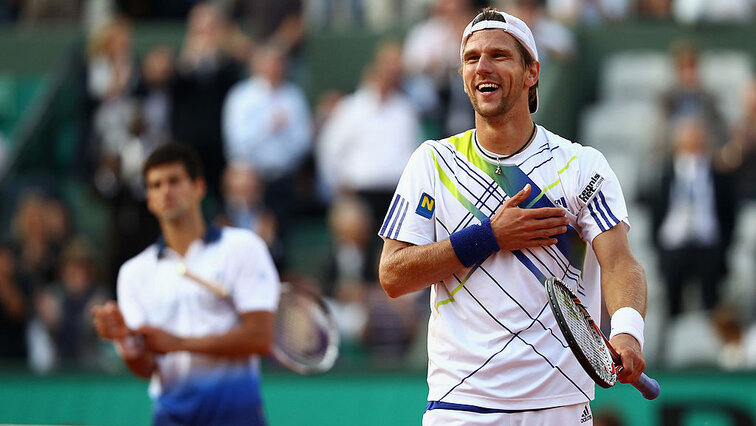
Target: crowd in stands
x=274, y=159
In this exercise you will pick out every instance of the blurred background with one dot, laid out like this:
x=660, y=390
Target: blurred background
x=305, y=112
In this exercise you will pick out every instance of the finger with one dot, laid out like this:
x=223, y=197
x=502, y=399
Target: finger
x=551, y=222
x=632, y=368
x=540, y=242
x=547, y=212
x=145, y=330
x=519, y=197
x=550, y=232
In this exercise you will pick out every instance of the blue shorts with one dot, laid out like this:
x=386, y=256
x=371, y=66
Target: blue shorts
x=215, y=400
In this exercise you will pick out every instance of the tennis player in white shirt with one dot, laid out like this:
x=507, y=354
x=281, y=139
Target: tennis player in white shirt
x=201, y=352
x=484, y=218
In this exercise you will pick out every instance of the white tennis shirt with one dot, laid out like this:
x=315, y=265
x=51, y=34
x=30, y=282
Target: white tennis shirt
x=492, y=340
x=152, y=292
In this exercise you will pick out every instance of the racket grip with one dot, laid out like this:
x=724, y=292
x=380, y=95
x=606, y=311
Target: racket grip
x=647, y=386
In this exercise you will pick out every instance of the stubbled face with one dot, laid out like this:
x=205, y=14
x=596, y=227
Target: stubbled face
x=494, y=77
x=171, y=193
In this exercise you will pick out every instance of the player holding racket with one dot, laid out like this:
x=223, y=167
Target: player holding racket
x=200, y=351
x=485, y=218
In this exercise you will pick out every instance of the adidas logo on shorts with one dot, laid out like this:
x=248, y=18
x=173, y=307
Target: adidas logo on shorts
x=586, y=415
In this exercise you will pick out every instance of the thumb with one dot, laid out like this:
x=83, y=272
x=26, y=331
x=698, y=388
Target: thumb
x=144, y=330
x=519, y=197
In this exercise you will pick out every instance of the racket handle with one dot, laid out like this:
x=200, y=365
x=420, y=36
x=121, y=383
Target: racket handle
x=647, y=386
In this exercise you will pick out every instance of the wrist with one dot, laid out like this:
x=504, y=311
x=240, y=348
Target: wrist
x=475, y=243
x=627, y=320
x=130, y=347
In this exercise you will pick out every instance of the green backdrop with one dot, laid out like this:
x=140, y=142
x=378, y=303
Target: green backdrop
x=365, y=399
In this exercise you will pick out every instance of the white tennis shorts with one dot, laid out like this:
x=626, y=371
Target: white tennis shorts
x=569, y=415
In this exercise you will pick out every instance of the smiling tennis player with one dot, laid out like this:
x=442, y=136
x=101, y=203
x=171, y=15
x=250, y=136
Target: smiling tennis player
x=484, y=218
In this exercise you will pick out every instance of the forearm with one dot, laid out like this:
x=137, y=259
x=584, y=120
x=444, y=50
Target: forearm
x=239, y=341
x=138, y=359
x=407, y=268
x=624, y=284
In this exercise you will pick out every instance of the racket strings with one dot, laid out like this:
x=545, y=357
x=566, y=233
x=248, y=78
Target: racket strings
x=586, y=336
x=304, y=337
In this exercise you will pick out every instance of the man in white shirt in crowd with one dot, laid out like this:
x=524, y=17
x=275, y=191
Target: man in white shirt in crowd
x=370, y=136
x=267, y=124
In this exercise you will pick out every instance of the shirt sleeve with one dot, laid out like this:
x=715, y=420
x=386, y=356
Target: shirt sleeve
x=256, y=286
x=410, y=216
x=128, y=300
x=599, y=196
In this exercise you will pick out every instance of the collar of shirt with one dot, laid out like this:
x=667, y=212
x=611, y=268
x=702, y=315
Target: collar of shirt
x=212, y=235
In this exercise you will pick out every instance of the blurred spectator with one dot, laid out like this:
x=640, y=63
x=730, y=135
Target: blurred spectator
x=64, y=308
x=697, y=11
x=204, y=75
x=129, y=125
x=351, y=265
x=693, y=217
x=14, y=309
x=554, y=41
x=691, y=341
x=48, y=11
x=352, y=259
x=431, y=58
x=739, y=154
x=688, y=97
x=280, y=21
x=111, y=65
x=730, y=329
x=153, y=125
x=266, y=123
x=370, y=136
x=112, y=76
x=243, y=194
x=57, y=222
x=335, y=14
x=654, y=9
x=392, y=325
x=588, y=12
x=36, y=256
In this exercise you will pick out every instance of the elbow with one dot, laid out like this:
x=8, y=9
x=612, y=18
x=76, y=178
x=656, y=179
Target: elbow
x=390, y=282
x=264, y=345
x=265, y=349
x=392, y=291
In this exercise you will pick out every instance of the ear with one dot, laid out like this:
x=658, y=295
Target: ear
x=532, y=74
x=201, y=186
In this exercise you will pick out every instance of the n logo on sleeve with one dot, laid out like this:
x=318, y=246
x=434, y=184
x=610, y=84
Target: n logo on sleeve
x=426, y=206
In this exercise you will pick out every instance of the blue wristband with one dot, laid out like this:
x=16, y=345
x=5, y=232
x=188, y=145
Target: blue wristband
x=474, y=243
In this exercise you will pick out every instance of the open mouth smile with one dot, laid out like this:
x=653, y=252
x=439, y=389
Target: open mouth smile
x=487, y=87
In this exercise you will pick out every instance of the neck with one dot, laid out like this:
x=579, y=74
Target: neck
x=180, y=233
x=505, y=135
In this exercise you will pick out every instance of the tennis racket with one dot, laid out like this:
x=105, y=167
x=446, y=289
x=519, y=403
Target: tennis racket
x=588, y=343
x=306, y=339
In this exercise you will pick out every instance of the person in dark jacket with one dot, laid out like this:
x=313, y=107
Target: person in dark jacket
x=693, y=216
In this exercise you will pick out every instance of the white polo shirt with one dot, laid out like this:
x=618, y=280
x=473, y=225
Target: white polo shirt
x=493, y=342
x=152, y=292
